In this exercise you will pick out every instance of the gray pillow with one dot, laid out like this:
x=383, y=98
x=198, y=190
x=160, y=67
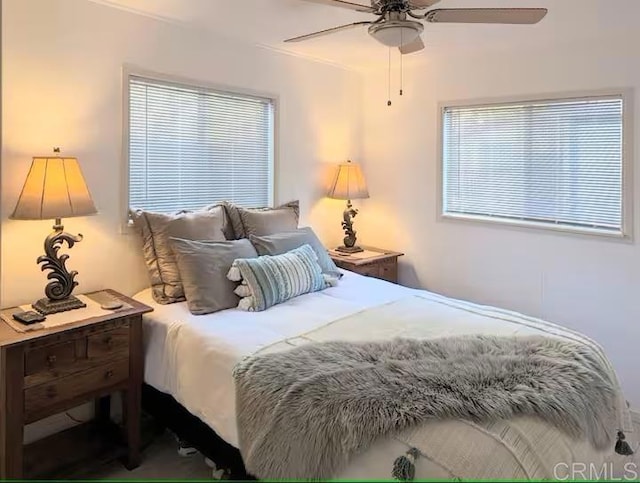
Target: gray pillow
x=279, y=243
x=263, y=221
x=156, y=228
x=203, y=268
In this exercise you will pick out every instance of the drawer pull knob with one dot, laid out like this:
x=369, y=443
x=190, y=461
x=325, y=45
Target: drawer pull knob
x=51, y=392
x=108, y=341
x=51, y=360
x=108, y=375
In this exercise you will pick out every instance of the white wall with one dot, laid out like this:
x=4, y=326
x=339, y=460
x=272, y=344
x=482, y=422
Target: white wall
x=62, y=72
x=61, y=86
x=587, y=283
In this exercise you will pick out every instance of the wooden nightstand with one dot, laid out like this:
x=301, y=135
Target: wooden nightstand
x=89, y=355
x=373, y=262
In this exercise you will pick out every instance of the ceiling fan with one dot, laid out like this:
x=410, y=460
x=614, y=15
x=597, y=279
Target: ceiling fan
x=398, y=23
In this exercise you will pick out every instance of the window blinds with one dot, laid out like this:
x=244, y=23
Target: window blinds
x=555, y=162
x=190, y=147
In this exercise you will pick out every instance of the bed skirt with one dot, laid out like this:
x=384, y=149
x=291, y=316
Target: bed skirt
x=173, y=416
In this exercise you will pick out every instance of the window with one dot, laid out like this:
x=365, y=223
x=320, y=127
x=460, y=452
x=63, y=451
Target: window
x=190, y=146
x=547, y=163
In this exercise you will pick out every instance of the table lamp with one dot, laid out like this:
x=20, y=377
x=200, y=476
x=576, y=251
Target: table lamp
x=348, y=184
x=55, y=189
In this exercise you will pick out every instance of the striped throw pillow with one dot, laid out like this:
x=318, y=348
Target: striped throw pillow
x=270, y=280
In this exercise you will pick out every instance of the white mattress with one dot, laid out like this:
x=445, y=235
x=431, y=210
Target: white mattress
x=192, y=358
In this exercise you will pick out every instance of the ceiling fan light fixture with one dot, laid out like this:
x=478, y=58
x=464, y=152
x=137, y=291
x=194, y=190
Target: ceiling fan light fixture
x=396, y=33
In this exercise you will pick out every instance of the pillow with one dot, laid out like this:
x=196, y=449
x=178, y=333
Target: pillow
x=203, y=267
x=156, y=228
x=227, y=227
x=263, y=221
x=274, y=279
x=279, y=243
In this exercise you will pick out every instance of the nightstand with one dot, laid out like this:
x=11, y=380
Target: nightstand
x=76, y=357
x=372, y=262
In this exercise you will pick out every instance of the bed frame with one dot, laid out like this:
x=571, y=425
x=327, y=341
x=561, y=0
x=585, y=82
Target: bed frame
x=172, y=415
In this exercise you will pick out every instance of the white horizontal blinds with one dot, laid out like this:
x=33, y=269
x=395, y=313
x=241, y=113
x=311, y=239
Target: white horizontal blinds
x=557, y=162
x=189, y=147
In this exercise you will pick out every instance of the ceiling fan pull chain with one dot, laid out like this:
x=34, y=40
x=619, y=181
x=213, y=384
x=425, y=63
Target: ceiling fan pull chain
x=401, y=73
x=389, y=90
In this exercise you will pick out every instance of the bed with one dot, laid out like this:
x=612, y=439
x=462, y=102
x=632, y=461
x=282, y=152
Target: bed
x=191, y=359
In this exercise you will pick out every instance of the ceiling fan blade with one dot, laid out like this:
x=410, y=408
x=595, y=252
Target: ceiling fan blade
x=418, y=4
x=344, y=4
x=487, y=15
x=415, y=46
x=327, y=31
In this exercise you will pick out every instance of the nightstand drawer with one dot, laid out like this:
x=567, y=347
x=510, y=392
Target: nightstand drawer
x=50, y=358
x=108, y=345
x=389, y=271
x=371, y=270
x=43, y=400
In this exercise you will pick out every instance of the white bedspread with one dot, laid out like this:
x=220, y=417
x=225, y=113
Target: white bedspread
x=192, y=358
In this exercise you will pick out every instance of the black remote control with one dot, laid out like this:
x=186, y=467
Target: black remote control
x=29, y=317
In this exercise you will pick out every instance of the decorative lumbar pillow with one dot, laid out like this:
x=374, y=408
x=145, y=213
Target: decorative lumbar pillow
x=263, y=221
x=203, y=267
x=279, y=243
x=271, y=280
x=156, y=228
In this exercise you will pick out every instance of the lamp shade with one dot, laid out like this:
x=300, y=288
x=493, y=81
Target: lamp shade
x=55, y=188
x=348, y=183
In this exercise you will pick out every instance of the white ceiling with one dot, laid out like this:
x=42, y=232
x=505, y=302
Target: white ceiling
x=269, y=22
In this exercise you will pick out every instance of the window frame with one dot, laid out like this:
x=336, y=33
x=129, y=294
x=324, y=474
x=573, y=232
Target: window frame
x=628, y=106
x=129, y=71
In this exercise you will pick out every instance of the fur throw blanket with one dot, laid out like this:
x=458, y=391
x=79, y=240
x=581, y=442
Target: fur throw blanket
x=305, y=412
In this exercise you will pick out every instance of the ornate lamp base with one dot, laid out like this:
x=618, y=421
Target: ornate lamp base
x=58, y=291
x=349, y=249
x=350, y=235
x=47, y=306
